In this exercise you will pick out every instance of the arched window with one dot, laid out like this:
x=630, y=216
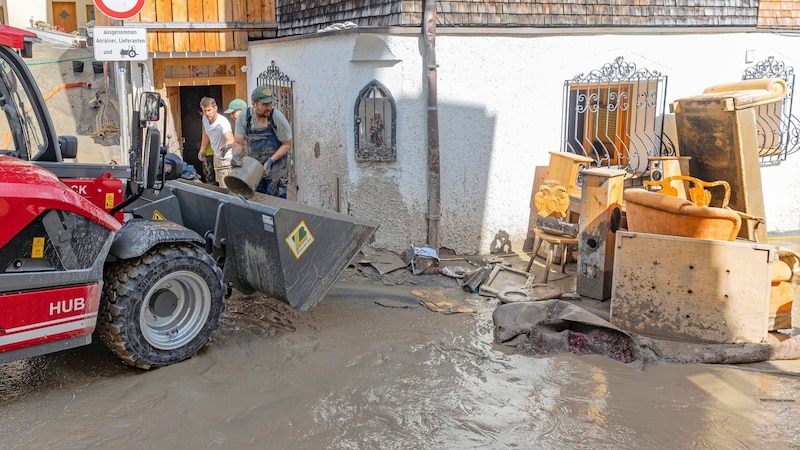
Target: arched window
x=375, y=120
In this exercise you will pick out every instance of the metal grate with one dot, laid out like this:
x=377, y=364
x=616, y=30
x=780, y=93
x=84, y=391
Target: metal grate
x=614, y=115
x=778, y=130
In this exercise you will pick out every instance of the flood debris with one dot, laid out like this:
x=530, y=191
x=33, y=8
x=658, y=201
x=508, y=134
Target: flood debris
x=504, y=277
x=473, y=280
x=389, y=303
x=422, y=260
x=437, y=300
x=530, y=293
x=383, y=261
x=554, y=326
x=453, y=271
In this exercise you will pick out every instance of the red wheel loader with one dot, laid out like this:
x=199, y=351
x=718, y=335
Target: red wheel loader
x=121, y=253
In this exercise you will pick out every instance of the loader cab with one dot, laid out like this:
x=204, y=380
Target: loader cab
x=26, y=129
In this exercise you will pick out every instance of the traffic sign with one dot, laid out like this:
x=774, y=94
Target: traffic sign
x=120, y=44
x=120, y=9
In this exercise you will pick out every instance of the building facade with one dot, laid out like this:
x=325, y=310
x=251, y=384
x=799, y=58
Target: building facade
x=359, y=88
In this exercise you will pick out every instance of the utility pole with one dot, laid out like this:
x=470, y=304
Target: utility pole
x=434, y=171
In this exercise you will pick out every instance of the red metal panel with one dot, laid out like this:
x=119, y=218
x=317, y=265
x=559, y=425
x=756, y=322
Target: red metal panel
x=27, y=190
x=34, y=318
x=14, y=37
x=105, y=192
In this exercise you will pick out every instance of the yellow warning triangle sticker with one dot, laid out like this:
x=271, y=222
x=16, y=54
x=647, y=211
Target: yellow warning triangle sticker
x=158, y=216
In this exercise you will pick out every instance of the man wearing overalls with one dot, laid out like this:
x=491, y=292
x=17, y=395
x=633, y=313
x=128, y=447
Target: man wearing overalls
x=269, y=138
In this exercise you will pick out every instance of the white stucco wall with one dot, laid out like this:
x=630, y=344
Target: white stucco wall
x=19, y=15
x=21, y=11
x=500, y=106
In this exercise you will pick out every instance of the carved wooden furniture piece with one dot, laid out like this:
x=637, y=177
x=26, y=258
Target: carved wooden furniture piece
x=551, y=201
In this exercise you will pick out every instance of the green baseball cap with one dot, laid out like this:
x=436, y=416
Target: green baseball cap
x=234, y=105
x=262, y=94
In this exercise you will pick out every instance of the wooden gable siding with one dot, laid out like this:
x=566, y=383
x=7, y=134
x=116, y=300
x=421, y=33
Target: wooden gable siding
x=202, y=25
x=777, y=14
x=303, y=16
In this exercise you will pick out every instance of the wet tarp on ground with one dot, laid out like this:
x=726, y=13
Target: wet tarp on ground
x=555, y=326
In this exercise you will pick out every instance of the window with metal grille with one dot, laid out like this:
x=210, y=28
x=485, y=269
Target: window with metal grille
x=614, y=116
x=777, y=129
x=375, y=120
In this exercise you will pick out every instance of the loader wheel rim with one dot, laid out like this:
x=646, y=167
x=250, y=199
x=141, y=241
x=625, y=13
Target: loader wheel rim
x=175, y=310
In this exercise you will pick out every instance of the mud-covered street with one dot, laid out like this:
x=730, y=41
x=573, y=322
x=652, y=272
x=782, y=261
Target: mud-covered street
x=351, y=373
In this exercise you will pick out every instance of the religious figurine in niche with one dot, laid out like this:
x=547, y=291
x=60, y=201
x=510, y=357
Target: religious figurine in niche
x=376, y=130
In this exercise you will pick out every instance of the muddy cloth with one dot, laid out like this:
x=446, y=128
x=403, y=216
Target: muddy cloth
x=554, y=326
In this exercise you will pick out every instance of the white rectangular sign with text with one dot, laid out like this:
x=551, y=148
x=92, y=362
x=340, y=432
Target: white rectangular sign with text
x=120, y=44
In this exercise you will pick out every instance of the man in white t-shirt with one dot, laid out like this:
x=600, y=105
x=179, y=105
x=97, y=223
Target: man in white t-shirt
x=217, y=131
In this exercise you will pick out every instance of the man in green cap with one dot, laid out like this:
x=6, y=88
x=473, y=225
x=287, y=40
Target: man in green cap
x=269, y=138
x=236, y=106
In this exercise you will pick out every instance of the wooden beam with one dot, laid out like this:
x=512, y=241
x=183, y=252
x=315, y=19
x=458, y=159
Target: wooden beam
x=268, y=10
x=164, y=13
x=209, y=81
x=148, y=14
x=225, y=11
x=254, y=15
x=240, y=15
x=210, y=14
x=196, y=40
x=180, y=12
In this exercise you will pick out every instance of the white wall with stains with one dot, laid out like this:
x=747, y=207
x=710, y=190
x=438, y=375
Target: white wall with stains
x=500, y=108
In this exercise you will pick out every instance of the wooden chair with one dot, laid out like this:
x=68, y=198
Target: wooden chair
x=697, y=191
x=551, y=200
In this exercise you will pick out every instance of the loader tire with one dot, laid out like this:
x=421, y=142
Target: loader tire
x=162, y=307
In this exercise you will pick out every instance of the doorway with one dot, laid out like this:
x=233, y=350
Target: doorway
x=64, y=16
x=191, y=120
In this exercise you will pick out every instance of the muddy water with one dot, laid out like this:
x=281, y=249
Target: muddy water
x=352, y=374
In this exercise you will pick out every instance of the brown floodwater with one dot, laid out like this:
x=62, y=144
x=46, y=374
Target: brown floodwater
x=356, y=375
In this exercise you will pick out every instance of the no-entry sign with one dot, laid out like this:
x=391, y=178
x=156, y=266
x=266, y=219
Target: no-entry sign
x=120, y=9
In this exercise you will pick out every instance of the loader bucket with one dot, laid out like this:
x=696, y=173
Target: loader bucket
x=282, y=248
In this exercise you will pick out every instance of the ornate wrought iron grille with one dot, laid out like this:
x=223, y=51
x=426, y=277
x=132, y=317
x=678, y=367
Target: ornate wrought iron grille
x=614, y=115
x=375, y=121
x=778, y=130
x=283, y=90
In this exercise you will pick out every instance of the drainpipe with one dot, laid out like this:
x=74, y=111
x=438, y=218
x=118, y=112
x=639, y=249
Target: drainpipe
x=434, y=173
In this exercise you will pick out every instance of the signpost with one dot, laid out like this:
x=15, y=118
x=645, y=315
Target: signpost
x=120, y=9
x=120, y=44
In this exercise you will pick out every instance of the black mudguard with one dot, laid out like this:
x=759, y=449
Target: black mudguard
x=137, y=236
